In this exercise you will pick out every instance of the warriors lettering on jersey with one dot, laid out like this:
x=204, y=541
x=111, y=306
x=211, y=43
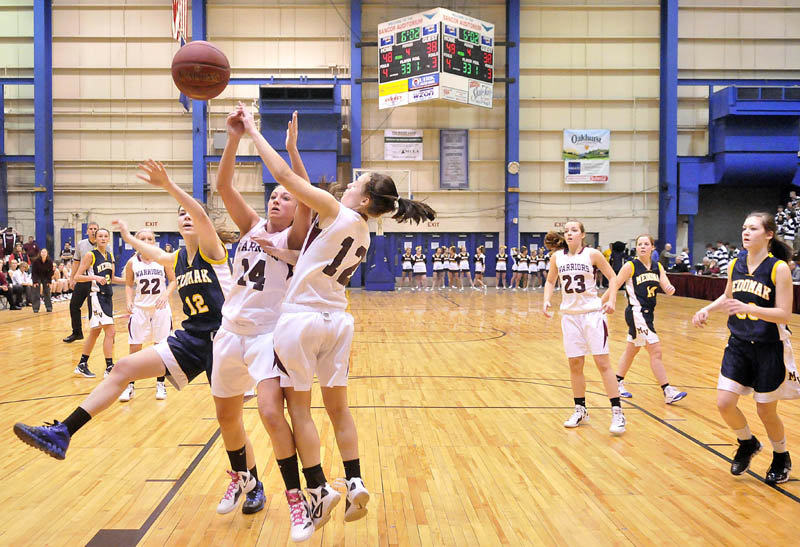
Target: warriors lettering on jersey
x=574, y=267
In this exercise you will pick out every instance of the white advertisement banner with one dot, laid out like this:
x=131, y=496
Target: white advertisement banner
x=586, y=156
x=402, y=145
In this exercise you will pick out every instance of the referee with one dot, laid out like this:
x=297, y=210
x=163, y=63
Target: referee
x=81, y=290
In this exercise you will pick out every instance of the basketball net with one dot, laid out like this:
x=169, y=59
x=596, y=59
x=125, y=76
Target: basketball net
x=180, y=18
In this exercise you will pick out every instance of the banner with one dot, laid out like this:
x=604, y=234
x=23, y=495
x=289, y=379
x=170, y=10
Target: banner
x=402, y=145
x=586, y=156
x=454, y=159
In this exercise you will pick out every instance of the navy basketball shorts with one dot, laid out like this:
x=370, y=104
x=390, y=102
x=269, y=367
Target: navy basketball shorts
x=640, y=327
x=765, y=369
x=186, y=355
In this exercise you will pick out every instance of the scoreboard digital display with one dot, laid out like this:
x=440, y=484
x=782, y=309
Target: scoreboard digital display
x=410, y=54
x=435, y=54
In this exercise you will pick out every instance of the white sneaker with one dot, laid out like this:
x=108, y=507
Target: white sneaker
x=357, y=498
x=624, y=392
x=673, y=395
x=161, y=391
x=127, y=395
x=241, y=483
x=580, y=416
x=617, y=421
x=322, y=500
x=300, y=516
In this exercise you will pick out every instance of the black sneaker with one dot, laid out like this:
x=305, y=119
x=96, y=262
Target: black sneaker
x=255, y=500
x=108, y=370
x=83, y=370
x=747, y=449
x=778, y=471
x=72, y=337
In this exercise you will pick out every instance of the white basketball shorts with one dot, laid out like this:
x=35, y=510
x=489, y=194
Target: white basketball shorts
x=585, y=334
x=149, y=325
x=241, y=361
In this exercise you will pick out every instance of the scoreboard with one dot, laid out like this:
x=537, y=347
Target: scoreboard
x=435, y=54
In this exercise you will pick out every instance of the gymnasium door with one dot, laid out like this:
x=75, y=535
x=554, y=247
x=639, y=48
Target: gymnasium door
x=431, y=242
x=398, y=243
x=532, y=240
x=465, y=240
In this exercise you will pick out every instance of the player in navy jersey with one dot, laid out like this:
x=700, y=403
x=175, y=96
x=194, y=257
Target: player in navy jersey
x=203, y=278
x=758, y=358
x=97, y=267
x=314, y=333
x=642, y=277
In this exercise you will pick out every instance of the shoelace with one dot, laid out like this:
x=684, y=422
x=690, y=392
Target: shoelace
x=296, y=508
x=233, y=486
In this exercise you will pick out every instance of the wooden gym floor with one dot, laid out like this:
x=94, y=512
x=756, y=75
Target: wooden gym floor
x=459, y=399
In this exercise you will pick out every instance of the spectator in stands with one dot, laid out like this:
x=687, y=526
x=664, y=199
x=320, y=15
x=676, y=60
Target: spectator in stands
x=711, y=252
x=67, y=254
x=42, y=275
x=31, y=249
x=667, y=256
x=684, y=263
x=618, y=256
x=6, y=289
x=723, y=258
x=22, y=278
x=795, y=271
x=19, y=254
x=15, y=295
x=8, y=241
x=793, y=201
x=654, y=255
x=790, y=226
x=167, y=248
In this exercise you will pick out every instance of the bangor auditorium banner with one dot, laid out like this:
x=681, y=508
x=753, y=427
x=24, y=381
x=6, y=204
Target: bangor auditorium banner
x=586, y=156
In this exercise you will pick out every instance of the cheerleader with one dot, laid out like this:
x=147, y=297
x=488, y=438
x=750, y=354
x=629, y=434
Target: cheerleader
x=514, y=269
x=500, y=268
x=463, y=266
x=148, y=286
x=758, y=358
x=438, y=268
x=642, y=277
x=522, y=268
x=480, y=266
x=408, y=267
x=533, y=271
x=420, y=267
x=541, y=265
x=583, y=321
x=453, y=269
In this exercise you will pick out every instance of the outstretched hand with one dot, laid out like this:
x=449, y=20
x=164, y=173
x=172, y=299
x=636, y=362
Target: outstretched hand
x=248, y=121
x=291, y=132
x=234, y=124
x=153, y=172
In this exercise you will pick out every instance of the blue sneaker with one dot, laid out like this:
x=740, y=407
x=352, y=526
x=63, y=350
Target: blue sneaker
x=255, y=500
x=623, y=392
x=52, y=439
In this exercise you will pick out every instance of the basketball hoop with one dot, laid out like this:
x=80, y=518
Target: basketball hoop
x=180, y=18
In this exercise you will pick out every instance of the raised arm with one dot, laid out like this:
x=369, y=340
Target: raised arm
x=302, y=215
x=242, y=214
x=315, y=198
x=210, y=245
x=150, y=252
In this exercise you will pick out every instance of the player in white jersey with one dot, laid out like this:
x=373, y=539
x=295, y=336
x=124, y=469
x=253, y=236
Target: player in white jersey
x=148, y=286
x=583, y=322
x=243, y=353
x=314, y=333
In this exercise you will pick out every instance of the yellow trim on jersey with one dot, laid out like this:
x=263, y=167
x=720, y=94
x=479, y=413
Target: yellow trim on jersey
x=775, y=269
x=660, y=267
x=730, y=268
x=223, y=260
x=92, y=254
x=175, y=262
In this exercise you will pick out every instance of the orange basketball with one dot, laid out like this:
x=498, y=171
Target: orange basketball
x=200, y=70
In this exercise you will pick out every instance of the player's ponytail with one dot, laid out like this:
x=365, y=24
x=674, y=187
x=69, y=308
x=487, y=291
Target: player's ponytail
x=555, y=241
x=383, y=198
x=777, y=246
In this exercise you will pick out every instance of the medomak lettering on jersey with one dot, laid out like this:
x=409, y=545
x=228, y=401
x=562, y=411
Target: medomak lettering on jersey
x=573, y=267
x=753, y=287
x=645, y=277
x=103, y=266
x=193, y=277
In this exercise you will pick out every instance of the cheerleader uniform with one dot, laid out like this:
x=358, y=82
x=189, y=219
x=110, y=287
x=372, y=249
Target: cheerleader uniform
x=533, y=265
x=541, y=263
x=453, y=264
x=419, y=264
x=514, y=261
x=758, y=358
x=522, y=263
x=438, y=263
x=408, y=262
x=480, y=262
x=501, y=263
x=463, y=263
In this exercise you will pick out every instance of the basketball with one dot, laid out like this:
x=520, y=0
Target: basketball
x=200, y=70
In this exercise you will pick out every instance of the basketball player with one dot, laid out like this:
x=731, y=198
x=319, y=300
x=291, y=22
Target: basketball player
x=203, y=278
x=758, y=358
x=408, y=267
x=148, y=286
x=583, y=321
x=480, y=266
x=243, y=347
x=97, y=268
x=500, y=267
x=314, y=332
x=420, y=267
x=642, y=277
x=80, y=291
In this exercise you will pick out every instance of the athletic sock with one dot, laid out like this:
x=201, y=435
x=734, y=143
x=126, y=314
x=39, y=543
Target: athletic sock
x=743, y=434
x=76, y=420
x=779, y=446
x=109, y=362
x=254, y=472
x=581, y=401
x=290, y=472
x=161, y=379
x=352, y=468
x=614, y=401
x=620, y=378
x=665, y=386
x=84, y=359
x=315, y=477
x=238, y=459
